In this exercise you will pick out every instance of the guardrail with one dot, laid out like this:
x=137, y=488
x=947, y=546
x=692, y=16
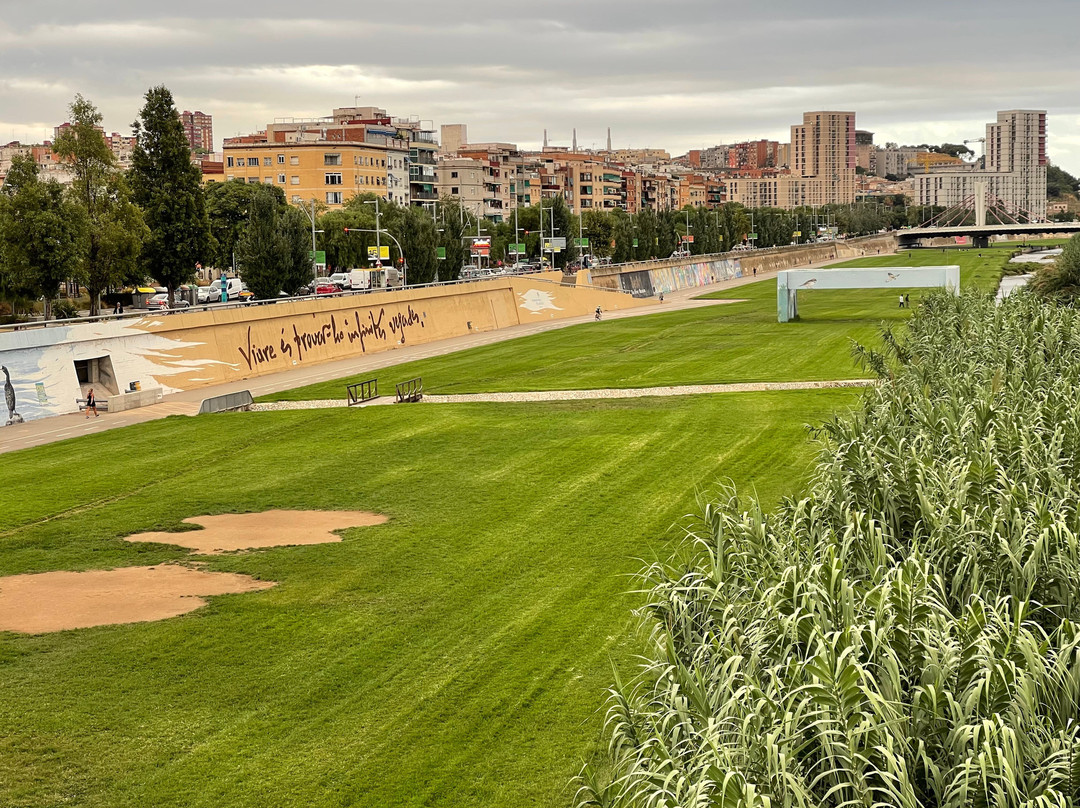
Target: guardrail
x=362, y=391
x=230, y=401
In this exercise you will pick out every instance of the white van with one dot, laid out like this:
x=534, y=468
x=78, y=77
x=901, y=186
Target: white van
x=233, y=289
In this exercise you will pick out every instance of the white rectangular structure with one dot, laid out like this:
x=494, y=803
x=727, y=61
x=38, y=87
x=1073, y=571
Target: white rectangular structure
x=790, y=282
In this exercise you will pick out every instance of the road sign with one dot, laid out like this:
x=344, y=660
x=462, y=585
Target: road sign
x=635, y=243
x=381, y=253
x=581, y=242
x=688, y=239
x=752, y=236
x=318, y=257
x=557, y=243
x=797, y=233
x=517, y=249
x=440, y=253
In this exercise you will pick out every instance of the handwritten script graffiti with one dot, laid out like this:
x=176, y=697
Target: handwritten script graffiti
x=362, y=326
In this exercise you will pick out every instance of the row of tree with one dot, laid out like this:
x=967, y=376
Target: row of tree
x=111, y=228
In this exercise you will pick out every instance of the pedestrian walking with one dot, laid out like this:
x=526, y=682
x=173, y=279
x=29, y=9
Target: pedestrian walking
x=901, y=301
x=91, y=404
x=907, y=301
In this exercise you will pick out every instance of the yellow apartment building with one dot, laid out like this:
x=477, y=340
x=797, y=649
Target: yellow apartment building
x=330, y=172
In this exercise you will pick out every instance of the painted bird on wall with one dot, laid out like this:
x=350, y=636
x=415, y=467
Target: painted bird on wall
x=9, y=397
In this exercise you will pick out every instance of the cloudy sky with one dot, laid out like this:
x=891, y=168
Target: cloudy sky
x=677, y=74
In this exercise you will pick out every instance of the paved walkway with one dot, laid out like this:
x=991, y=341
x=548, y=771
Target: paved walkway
x=60, y=427
x=576, y=395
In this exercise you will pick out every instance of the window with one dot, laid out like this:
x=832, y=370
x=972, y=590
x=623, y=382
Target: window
x=454, y=191
x=229, y=161
x=268, y=180
x=294, y=159
x=281, y=178
x=294, y=180
x=333, y=197
x=253, y=180
x=281, y=159
x=333, y=179
x=253, y=161
x=453, y=175
x=267, y=161
x=331, y=159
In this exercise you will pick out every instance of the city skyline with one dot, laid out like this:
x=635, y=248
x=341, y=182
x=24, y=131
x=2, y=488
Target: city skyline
x=912, y=77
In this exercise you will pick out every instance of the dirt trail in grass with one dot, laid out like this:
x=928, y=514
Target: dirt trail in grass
x=573, y=395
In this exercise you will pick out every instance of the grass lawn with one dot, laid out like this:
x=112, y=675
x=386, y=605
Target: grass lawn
x=456, y=656
x=738, y=342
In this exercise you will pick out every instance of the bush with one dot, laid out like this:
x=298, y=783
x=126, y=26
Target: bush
x=64, y=309
x=903, y=634
x=1061, y=279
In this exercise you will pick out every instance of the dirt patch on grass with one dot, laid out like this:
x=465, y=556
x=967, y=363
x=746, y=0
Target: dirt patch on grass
x=247, y=531
x=56, y=601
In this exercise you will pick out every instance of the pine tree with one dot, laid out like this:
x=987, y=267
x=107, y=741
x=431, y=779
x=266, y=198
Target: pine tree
x=168, y=188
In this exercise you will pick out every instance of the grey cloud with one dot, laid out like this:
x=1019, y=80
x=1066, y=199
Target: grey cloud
x=679, y=74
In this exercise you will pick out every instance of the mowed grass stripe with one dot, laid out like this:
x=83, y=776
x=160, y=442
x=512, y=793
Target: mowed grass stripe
x=735, y=342
x=457, y=655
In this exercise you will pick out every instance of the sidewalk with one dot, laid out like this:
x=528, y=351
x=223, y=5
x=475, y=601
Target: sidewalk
x=61, y=427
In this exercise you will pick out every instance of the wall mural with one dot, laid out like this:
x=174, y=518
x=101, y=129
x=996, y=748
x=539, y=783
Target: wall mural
x=188, y=350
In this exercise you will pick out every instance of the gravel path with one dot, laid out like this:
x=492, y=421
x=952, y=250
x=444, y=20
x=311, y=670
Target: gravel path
x=575, y=395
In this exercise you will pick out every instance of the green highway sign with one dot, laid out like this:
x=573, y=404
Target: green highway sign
x=440, y=253
x=635, y=243
x=318, y=257
x=516, y=249
x=581, y=242
x=752, y=235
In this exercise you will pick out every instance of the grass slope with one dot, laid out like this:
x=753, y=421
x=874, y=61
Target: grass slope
x=456, y=656
x=738, y=342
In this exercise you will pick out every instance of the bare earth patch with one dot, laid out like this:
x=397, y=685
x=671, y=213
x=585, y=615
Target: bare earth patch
x=246, y=531
x=56, y=601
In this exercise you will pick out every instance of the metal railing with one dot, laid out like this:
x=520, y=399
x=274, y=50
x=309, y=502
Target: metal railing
x=410, y=390
x=362, y=391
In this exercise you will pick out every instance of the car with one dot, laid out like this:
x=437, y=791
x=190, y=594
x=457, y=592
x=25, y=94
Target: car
x=245, y=295
x=341, y=279
x=161, y=301
x=327, y=289
x=681, y=254
x=206, y=295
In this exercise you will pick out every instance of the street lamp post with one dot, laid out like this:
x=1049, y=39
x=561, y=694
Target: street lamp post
x=404, y=260
x=314, y=264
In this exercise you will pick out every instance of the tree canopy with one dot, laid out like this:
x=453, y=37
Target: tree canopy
x=167, y=185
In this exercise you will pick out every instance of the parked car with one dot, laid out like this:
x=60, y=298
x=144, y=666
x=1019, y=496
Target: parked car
x=161, y=301
x=234, y=287
x=205, y=294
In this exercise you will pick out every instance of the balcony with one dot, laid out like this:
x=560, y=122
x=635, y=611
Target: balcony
x=424, y=196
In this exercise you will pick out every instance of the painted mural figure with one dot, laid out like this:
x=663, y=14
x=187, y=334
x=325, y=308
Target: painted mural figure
x=9, y=397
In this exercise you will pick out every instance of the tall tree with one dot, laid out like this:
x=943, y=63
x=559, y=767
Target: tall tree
x=43, y=235
x=272, y=252
x=168, y=188
x=116, y=228
x=418, y=236
x=227, y=208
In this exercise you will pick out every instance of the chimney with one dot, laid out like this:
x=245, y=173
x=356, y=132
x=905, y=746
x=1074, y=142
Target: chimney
x=545, y=138
x=609, y=138
x=574, y=147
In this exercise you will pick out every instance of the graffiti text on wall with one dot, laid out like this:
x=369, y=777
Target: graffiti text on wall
x=362, y=327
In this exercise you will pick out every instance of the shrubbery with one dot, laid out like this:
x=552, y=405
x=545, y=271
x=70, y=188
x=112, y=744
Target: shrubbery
x=904, y=634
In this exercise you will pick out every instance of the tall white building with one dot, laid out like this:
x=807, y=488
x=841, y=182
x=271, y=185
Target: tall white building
x=1015, y=170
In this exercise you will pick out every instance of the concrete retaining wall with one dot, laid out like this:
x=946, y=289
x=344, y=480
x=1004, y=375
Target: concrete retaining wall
x=187, y=350
x=651, y=277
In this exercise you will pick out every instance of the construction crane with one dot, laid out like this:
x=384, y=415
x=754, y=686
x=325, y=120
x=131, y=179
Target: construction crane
x=981, y=140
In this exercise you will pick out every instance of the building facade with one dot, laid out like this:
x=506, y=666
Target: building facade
x=1014, y=172
x=199, y=130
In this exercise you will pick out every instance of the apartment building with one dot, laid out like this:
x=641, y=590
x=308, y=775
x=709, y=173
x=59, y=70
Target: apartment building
x=49, y=165
x=327, y=171
x=1014, y=172
x=753, y=154
x=357, y=150
x=199, y=130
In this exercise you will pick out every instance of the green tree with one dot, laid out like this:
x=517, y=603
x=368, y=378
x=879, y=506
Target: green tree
x=1060, y=182
x=43, y=234
x=598, y=227
x=272, y=251
x=116, y=228
x=228, y=207
x=419, y=238
x=168, y=188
